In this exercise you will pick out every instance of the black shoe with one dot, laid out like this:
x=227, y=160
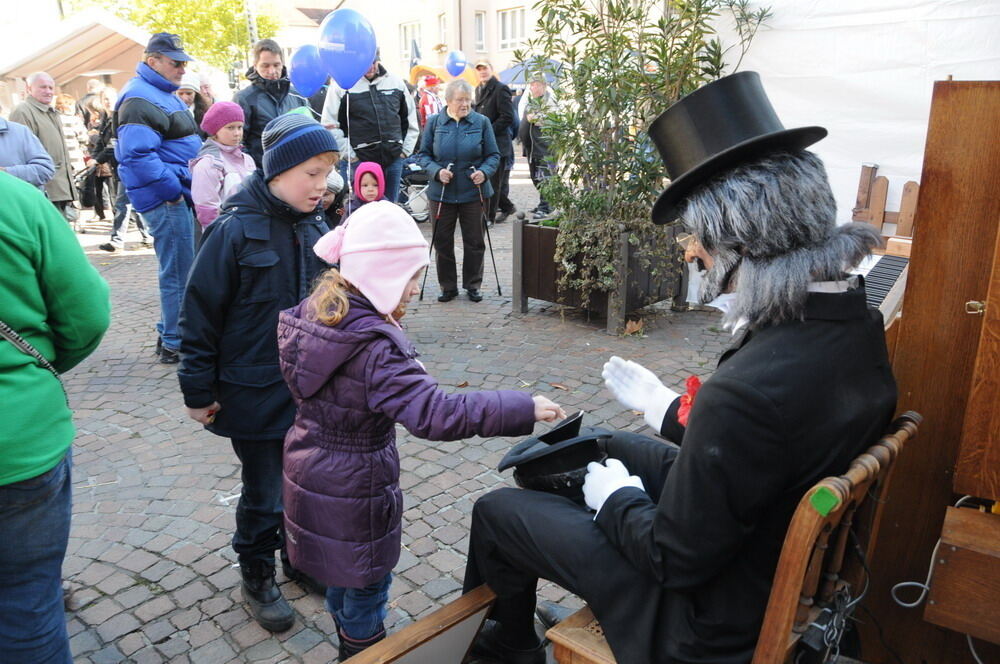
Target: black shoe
x=475, y=295
x=488, y=646
x=307, y=582
x=159, y=344
x=107, y=246
x=448, y=296
x=551, y=614
x=267, y=605
x=502, y=216
x=168, y=356
x=350, y=647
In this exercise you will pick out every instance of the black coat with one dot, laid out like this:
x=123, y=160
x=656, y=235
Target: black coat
x=794, y=403
x=255, y=260
x=496, y=102
x=261, y=102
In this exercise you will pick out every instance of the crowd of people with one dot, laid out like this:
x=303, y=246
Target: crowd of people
x=283, y=273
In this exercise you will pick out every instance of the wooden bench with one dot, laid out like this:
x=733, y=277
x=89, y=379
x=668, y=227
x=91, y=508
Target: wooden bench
x=813, y=570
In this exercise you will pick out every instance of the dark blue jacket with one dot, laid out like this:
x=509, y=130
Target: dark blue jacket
x=157, y=137
x=467, y=144
x=255, y=260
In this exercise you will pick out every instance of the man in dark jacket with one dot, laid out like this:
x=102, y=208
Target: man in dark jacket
x=269, y=95
x=255, y=260
x=687, y=536
x=157, y=137
x=496, y=101
x=381, y=127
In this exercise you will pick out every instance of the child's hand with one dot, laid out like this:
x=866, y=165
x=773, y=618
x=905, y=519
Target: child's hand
x=206, y=415
x=546, y=410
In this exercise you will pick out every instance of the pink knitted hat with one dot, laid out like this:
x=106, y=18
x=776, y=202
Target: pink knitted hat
x=219, y=115
x=379, y=248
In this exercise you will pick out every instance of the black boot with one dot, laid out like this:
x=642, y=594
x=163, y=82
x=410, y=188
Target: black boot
x=267, y=605
x=490, y=646
x=350, y=647
x=308, y=583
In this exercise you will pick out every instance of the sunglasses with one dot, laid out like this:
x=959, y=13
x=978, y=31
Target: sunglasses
x=177, y=64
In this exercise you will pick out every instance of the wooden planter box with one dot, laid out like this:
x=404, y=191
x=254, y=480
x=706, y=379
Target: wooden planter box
x=536, y=275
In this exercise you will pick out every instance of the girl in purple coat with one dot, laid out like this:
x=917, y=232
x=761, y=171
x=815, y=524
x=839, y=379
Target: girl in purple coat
x=354, y=375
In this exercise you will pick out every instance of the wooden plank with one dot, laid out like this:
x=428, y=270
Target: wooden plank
x=956, y=215
x=519, y=300
x=862, y=203
x=907, y=209
x=447, y=632
x=965, y=592
x=978, y=469
x=880, y=194
x=898, y=246
x=548, y=273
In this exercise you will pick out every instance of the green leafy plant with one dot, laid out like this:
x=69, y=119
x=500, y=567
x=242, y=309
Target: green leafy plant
x=621, y=63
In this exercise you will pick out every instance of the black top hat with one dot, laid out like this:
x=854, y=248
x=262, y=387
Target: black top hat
x=556, y=461
x=717, y=127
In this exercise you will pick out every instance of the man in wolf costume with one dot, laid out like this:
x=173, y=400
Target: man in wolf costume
x=678, y=561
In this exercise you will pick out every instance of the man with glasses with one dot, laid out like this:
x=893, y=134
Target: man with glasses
x=157, y=137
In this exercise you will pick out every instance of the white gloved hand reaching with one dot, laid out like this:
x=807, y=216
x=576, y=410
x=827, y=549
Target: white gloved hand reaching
x=603, y=480
x=638, y=388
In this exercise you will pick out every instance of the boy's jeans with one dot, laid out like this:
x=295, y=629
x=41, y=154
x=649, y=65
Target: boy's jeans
x=172, y=228
x=34, y=531
x=359, y=611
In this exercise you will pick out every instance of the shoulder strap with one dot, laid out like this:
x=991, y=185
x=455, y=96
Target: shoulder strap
x=19, y=342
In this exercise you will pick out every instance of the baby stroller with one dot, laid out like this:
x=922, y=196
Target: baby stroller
x=413, y=197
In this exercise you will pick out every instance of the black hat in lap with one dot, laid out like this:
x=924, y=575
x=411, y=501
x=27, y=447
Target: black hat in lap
x=722, y=125
x=556, y=462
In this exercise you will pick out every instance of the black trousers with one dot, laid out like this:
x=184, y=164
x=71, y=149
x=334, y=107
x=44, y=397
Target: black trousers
x=501, y=187
x=540, y=170
x=260, y=526
x=519, y=536
x=470, y=217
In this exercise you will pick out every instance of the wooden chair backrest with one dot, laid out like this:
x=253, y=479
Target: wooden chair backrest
x=811, y=569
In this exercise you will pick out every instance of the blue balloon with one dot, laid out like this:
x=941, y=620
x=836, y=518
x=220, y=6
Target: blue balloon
x=456, y=63
x=346, y=46
x=306, y=70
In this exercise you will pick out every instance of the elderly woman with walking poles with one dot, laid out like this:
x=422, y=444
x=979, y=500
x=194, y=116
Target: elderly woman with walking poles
x=460, y=153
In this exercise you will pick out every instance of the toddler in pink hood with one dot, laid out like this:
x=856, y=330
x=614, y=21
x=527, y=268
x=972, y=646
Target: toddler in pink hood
x=369, y=185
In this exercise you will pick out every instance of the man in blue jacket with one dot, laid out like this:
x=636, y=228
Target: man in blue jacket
x=23, y=155
x=157, y=137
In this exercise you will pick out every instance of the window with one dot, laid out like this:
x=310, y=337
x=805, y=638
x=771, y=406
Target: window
x=512, y=33
x=408, y=33
x=481, y=32
x=442, y=29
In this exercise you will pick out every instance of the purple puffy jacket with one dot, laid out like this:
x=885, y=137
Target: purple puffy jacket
x=351, y=384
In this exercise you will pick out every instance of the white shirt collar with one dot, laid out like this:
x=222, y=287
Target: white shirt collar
x=724, y=302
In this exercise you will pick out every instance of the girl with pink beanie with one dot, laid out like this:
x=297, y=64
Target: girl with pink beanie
x=353, y=375
x=369, y=186
x=221, y=165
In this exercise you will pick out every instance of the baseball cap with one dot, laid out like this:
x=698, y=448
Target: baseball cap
x=168, y=45
x=482, y=62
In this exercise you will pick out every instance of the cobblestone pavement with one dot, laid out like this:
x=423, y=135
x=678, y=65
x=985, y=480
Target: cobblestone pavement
x=150, y=567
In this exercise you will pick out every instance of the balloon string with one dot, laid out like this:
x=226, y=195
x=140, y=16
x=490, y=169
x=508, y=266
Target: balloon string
x=347, y=138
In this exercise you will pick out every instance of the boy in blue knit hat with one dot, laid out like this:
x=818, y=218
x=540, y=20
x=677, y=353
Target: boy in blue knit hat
x=255, y=260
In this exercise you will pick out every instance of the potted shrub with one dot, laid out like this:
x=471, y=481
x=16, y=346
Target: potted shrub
x=620, y=64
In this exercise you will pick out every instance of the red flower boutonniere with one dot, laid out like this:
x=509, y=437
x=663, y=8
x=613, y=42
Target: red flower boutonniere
x=687, y=399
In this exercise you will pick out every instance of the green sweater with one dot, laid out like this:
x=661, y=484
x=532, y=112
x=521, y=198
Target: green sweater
x=58, y=302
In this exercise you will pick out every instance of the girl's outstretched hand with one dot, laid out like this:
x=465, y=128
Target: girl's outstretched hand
x=546, y=410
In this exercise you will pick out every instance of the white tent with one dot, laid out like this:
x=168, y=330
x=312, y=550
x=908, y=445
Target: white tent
x=865, y=70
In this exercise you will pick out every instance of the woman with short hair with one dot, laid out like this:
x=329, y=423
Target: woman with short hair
x=459, y=152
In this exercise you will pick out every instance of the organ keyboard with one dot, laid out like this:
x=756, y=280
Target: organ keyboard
x=885, y=282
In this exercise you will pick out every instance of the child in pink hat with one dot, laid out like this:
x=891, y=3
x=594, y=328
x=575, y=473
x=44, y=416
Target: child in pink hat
x=221, y=165
x=354, y=375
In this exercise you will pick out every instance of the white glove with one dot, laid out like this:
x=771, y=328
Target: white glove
x=638, y=388
x=601, y=481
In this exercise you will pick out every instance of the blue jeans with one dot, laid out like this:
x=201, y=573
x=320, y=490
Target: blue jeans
x=393, y=176
x=123, y=213
x=34, y=531
x=172, y=227
x=359, y=611
x=259, y=514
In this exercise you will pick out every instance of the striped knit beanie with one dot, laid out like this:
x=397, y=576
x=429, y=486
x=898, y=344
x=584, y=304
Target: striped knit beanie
x=291, y=139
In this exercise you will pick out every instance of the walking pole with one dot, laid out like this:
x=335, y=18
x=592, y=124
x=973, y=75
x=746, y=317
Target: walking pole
x=434, y=230
x=489, y=241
